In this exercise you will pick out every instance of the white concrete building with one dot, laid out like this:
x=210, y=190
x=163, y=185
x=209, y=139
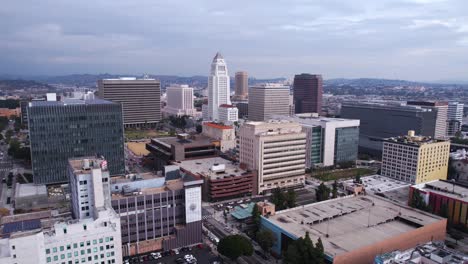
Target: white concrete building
x=218, y=88
x=330, y=141
x=276, y=150
x=83, y=173
x=179, y=101
x=95, y=239
x=228, y=114
x=454, y=118
x=85, y=241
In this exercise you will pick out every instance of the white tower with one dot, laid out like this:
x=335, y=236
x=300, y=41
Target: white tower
x=218, y=87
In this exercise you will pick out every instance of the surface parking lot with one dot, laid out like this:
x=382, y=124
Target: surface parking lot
x=203, y=256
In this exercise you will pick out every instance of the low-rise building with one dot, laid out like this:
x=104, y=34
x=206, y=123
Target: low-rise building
x=182, y=147
x=226, y=135
x=459, y=163
x=415, y=159
x=30, y=196
x=222, y=179
x=444, y=198
x=355, y=229
x=433, y=252
x=6, y=112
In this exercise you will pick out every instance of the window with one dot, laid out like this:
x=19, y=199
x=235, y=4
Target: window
x=49, y=259
x=64, y=230
x=94, y=242
x=47, y=251
x=75, y=245
x=84, y=227
x=62, y=248
x=55, y=258
x=88, y=243
x=13, y=247
x=68, y=247
x=54, y=250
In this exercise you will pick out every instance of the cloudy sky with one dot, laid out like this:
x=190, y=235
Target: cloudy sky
x=403, y=39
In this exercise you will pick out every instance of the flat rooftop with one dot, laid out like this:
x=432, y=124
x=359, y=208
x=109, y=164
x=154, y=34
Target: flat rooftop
x=369, y=218
x=414, y=140
x=379, y=184
x=78, y=164
x=445, y=188
x=191, y=141
x=29, y=189
x=69, y=102
x=203, y=167
x=134, y=177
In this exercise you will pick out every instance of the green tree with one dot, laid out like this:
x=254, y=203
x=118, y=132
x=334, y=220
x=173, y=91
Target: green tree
x=235, y=246
x=418, y=202
x=256, y=218
x=291, y=198
x=266, y=239
x=278, y=199
x=172, y=132
x=199, y=128
x=335, y=189
x=303, y=251
x=357, y=179
x=322, y=193
x=8, y=135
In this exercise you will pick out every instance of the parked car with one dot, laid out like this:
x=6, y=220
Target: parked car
x=156, y=255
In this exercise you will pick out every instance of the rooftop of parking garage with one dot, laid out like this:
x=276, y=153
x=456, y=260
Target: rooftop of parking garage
x=369, y=218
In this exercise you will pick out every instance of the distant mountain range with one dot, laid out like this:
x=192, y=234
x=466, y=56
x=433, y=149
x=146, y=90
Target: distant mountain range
x=90, y=80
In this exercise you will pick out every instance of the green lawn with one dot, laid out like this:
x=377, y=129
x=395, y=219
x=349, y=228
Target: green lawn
x=330, y=175
x=144, y=134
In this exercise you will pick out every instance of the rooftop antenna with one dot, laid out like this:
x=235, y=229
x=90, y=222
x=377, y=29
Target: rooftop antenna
x=145, y=76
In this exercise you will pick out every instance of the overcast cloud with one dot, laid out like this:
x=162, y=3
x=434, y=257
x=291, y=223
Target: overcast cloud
x=403, y=39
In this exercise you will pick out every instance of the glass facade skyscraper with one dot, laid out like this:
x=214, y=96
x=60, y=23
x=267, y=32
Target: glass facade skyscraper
x=73, y=128
x=346, y=144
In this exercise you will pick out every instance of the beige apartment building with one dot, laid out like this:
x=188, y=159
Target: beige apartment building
x=415, y=159
x=276, y=150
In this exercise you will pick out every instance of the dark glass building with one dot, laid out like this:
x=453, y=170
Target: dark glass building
x=308, y=92
x=60, y=130
x=385, y=120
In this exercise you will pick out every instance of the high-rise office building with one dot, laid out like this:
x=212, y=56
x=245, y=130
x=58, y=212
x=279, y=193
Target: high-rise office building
x=383, y=120
x=415, y=159
x=308, y=92
x=180, y=101
x=218, y=87
x=140, y=99
x=441, y=109
x=60, y=130
x=330, y=141
x=242, y=85
x=454, y=118
x=276, y=150
x=268, y=100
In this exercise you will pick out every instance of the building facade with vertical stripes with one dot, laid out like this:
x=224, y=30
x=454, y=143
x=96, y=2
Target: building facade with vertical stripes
x=444, y=198
x=158, y=215
x=60, y=130
x=140, y=99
